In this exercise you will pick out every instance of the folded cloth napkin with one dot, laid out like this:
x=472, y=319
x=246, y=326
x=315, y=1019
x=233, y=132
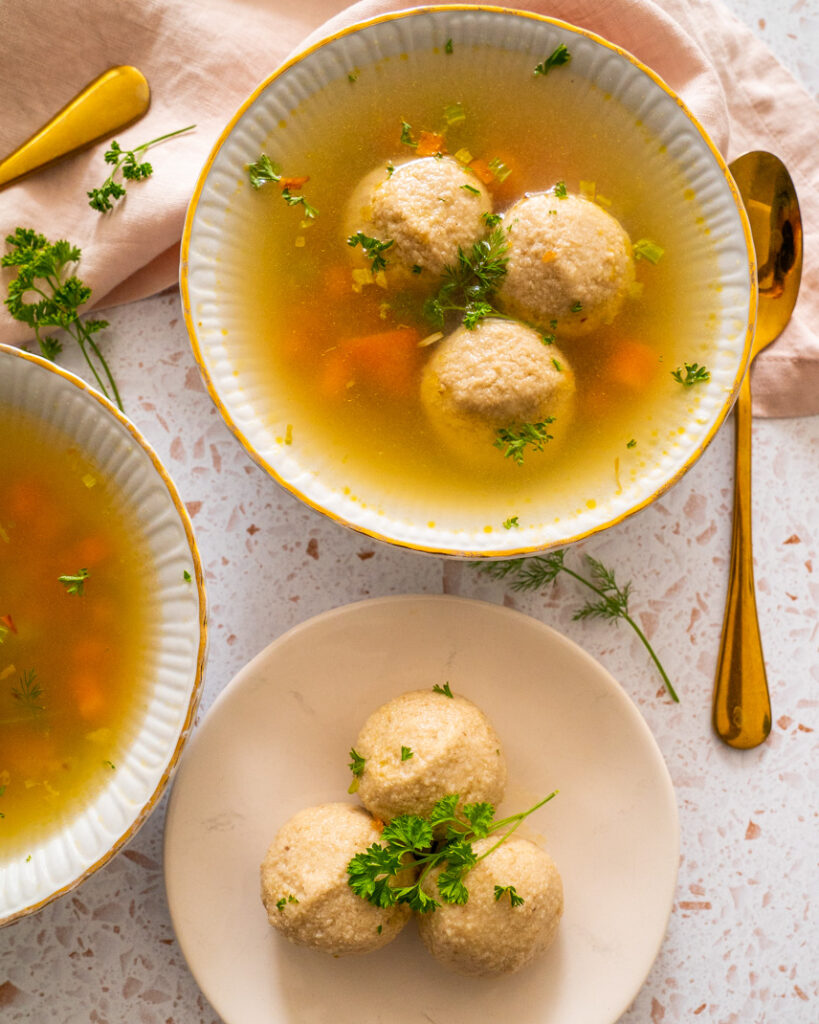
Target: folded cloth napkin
x=202, y=59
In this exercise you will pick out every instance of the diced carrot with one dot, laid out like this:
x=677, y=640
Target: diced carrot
x=481, y=169
x=293, y=182
x=430, y=143
x=548, y=257
x=90, y=551
x=388, y=360
x=335, y=375
x=89, y=694
x=632, y=365
x=7, y=620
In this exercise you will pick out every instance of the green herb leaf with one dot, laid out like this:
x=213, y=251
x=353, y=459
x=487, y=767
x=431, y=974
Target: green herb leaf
x=42, y=271
x=282, y=902
x=103, y=198
x=577, y=307
x=454, y=114
x=612, y=604
x=186, y=576
x=694, y=374
x=448, y=46
x=373, y=247
x=263, y=171
x=509, y=523
x=491, y=220
x=357, y=763
x=480, y=817
x=503, y=890
x=445, y=690
x=406, y=753
x=632, y=443
x=513, y=441
x=561, y=191
x=28, y=691
x=560, y=55
x=406, y=135
x=75, y=584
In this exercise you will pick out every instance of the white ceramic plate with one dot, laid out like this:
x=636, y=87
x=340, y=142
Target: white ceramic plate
x=63, y=404
x=716, y=303
x=277, y=740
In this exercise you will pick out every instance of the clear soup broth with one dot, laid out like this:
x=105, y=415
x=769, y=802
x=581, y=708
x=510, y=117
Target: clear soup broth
x=74, y=653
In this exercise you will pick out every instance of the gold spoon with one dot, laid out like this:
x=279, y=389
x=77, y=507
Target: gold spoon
x=742, y=705
x=113, y=100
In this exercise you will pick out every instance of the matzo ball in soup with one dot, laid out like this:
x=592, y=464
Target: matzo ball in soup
x=481, y=383
x=427, y=209
x=352, y=310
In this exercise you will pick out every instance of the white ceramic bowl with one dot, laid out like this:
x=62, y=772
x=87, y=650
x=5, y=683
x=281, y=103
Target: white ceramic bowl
x=294, y=104
x=62, y=402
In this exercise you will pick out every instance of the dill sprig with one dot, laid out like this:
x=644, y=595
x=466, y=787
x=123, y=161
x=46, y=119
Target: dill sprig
x=28, y=691
x=612, y=599
x=513, y=441
x=42, y=271
x=469, y=284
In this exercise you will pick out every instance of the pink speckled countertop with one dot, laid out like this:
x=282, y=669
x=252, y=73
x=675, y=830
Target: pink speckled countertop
x=743, y=941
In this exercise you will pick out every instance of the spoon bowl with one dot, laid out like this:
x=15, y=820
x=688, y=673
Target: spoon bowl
x=742, y=705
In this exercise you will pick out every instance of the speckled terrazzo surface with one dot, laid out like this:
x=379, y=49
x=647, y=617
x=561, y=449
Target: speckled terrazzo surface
x=743, y=940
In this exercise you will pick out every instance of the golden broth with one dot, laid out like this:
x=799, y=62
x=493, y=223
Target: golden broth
x=301, y=307
x=73, y=667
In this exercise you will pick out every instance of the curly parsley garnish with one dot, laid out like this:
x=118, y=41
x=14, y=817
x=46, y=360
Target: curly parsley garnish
x=445, y=690
x=406, y=753
x=373, y=247
x=694, y=374
x=42, y=272
x=504, y=890
x=126, y=161
x=560, y=55
x=265, y=171
x=371, y=873
x=612, y=599
x=356, y=766
x=282, y=902
x=513, y=441
x=75, y=584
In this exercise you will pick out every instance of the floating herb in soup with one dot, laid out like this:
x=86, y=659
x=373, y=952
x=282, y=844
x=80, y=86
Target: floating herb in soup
x=75, y=630
x=494, y=295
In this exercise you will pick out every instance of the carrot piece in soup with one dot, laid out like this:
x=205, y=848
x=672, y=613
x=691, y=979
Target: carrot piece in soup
x=632, y=365
x=88, y=694
x=430, y=143
x=389, y=360
x=481, y=169
x=295, y=183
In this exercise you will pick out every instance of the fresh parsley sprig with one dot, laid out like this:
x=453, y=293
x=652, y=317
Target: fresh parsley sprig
x=612, y=599
x=128, y=162
x=356, y=766
x=560, y=55
x=42, y=271
x=469, y=284
x=264, y=170
x=694, y=374
x=410, y=840
x=373, y=248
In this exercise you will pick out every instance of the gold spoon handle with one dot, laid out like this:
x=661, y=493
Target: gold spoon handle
x=742, y=705
x=114, y=99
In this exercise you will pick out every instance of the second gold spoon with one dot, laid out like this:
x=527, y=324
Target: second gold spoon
x=742, y=705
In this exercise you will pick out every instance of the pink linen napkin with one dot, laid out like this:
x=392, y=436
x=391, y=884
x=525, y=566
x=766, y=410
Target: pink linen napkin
x=202, y=59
